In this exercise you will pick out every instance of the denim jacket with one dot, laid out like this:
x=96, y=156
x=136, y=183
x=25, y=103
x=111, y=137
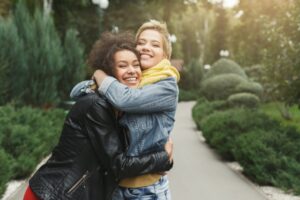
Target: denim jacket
x=149, y=111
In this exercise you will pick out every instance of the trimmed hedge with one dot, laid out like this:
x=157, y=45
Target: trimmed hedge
x=222, y=127
x=270, y=157
x=204, y=108
x=188, y=95
x=221, y=86
x=250, y=87
x=27, y=135
x=225, y=66
x=243, y=99
x=267, y=150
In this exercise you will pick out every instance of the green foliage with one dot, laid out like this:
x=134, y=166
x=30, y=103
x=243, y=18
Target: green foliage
x=44, y=56
x=225, y=66
x=219, y=34
x=188, y=95
x=226, y=80
x=270, y=157
x=32, y=53
x=250, y=87
x=221, y=86
x=204, y=108
x=267, y=35
x=221, y=128
x=27, y=136
x=266, y=148
x=13, y=60
x=73, y=70
x=273, y=110
x=5, y=170
x=4, y=77
x=5, y=7
x=191, y=76
x=243, y=99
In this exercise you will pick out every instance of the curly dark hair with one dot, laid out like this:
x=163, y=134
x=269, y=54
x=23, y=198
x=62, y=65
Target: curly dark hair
x=104, y=49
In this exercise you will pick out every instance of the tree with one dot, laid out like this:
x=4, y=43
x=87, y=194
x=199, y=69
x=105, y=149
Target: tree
x=73, y=70
x=219, y=34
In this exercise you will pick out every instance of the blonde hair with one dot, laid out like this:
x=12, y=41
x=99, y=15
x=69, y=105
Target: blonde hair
x=162, y=29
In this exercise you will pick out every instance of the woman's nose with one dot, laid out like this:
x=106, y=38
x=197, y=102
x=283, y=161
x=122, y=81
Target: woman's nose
x=131, y=69
x=145, y=47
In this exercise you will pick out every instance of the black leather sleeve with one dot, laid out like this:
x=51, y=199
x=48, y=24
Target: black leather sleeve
x=101, y=126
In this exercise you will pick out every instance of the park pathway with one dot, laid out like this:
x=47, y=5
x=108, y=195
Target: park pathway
x=198, y=173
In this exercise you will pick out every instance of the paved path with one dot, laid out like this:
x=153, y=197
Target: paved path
x=198, y=174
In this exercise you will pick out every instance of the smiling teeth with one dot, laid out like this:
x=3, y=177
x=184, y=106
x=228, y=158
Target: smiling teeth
x=131, y=79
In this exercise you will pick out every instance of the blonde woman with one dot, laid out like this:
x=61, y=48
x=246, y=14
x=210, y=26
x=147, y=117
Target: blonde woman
x=148, y=111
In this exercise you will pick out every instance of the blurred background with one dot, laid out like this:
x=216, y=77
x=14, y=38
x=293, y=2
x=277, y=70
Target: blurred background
x=238, y=59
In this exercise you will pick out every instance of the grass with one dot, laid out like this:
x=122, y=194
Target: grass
x=273, y=110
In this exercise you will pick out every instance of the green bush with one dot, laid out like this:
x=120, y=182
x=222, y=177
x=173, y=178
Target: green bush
x=188, y=95
x=13, y=59
x=221, y=86
x=5, y=169
x=35, y=57
x=221, y=128
x=191, y=76
x=27, y=135
x=243, y=99
x=73, y=70
x=225, y=66
x=5, y=80
x=250, y=87
x=203, y=108
x=267, y=159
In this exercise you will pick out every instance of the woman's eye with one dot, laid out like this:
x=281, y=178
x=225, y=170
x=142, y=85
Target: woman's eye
x=140, y=43
x=122, y=66
x=137, y=66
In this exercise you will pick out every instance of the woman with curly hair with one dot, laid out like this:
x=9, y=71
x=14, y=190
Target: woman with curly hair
x=89, y=159
x=149, y=110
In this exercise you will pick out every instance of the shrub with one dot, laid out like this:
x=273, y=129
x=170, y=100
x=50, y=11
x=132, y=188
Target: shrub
x=265, y=162
x=221, y=86
x=188, y=95
x=222, y=128
x=35, y=58
x=203, y=108
x=73, y=70
x=27, y=135
x=5, y=169
x=250, y=87
x=243, y=99
x=5, y=81
x=13, y=60
x=191, y=76
x=225, y=66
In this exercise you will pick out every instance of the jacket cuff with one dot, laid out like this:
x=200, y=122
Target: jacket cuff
x=168, y=164
x=105, y=85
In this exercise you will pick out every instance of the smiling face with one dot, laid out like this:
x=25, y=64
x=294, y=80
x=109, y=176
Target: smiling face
x=150, y=47
x=127, y=68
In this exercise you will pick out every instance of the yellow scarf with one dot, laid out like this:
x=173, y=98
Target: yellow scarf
x=159, y=72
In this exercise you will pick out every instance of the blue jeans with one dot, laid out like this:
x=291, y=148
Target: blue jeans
x=157, y=191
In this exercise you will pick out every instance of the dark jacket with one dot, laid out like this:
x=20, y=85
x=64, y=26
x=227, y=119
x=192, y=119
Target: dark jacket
x=89, y=159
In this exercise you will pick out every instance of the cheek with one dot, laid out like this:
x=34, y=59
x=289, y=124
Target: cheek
x=118, y=74
x=139, y=48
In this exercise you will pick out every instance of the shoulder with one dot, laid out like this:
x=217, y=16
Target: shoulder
x=170, y=83
x=89, y=102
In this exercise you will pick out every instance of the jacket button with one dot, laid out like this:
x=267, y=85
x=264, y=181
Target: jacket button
x=105, y=173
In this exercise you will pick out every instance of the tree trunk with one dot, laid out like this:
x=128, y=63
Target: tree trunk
x=47, y=4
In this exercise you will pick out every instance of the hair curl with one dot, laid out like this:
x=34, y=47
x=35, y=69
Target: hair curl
x=102, y=54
